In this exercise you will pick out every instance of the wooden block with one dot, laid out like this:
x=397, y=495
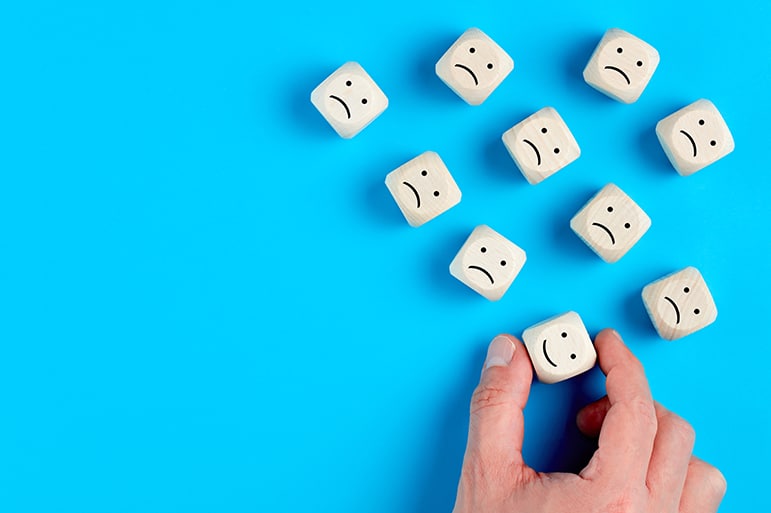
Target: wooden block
x=610, y=223
x=488, y=262
x=474, y=66
x=423, y=188
x=541, y=145
x=621, y=66
x=349, y=99
x=679, y=303
x=695, y=137
x=560, y=348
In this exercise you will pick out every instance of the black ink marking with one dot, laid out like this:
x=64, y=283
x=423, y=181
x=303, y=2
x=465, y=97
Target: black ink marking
x=612, y=238
x=492, y=282
x=629, y=82
x=690, y=139
x=417, y=196
x=547, y=355
x=461, y=66
x=674, y=305
x=347, y=110
x=537, y=153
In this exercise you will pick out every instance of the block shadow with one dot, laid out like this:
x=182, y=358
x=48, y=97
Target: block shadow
x=563, y=236
x=298, y=103
x=495, y=156
x=438, y=272
x=375, y=199
x=575, y=61
x=429, y=84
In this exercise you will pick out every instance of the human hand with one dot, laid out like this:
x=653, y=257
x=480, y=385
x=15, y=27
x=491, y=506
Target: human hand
x=643, y=463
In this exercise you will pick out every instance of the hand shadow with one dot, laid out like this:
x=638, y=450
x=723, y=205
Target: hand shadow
x=438, y=467
x=559, y=446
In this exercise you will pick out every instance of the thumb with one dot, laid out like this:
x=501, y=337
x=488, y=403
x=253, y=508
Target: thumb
x=497, y=424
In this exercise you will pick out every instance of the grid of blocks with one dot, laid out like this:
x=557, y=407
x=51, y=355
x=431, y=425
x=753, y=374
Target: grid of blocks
x=610, y=223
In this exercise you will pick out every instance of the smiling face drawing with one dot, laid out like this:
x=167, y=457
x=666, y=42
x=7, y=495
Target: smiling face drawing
x=488, y=262
x=349, y=99
x=474, y=66
x=621, y=66
x=541, y=145
x=695, y=137
x=423, y=188
x=610, y=223
x=560, y=348
x=679, y=304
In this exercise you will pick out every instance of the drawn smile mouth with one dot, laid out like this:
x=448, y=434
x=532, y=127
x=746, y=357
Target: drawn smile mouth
x=537, y=153
x=693, y=143
x=629, y=82
x=492, y=282
x=461, y=66
x=607, y=230
x=547, y=355
x=345, y=106
x=674, y=305
x=417, y=196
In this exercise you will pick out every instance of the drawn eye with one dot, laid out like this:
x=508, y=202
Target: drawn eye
x=610, y=209
x=712, y=143
x=697, y=311
x=503, y=263
x=556, y=150
x=564, y=335
x=364, y=101
x=543, y=130
x=424, y=172
x=620, y=50
x=436, y=194
x=639, y=64
x=627, y=226
x=573, y=356
x=483, y=250
x=686, y=290
x=349, y=83
x=472, y=50
x=701, y=122
x=489, y=65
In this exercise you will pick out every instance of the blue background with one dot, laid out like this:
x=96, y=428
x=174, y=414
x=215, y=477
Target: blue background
x=210, y=302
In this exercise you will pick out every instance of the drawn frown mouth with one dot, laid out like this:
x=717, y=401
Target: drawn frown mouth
x=537, y=153
x=492, y=282
x=674, y=305
x=345, y=106
x=417, y=196
x=690, y=139
x=461, y=66
x=607, y=230
x=629, y=82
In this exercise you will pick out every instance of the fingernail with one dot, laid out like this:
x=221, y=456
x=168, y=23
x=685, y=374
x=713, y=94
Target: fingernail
x=500, y=352
x=617, y=335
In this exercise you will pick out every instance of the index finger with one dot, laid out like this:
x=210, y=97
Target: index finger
x=627, y=435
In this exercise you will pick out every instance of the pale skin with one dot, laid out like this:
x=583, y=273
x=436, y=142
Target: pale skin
x=643, y=463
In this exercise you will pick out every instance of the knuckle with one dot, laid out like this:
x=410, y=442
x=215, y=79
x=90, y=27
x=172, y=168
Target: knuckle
x=625, y=502
x=487, y=396
x=645, y=413
x=679, y=427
